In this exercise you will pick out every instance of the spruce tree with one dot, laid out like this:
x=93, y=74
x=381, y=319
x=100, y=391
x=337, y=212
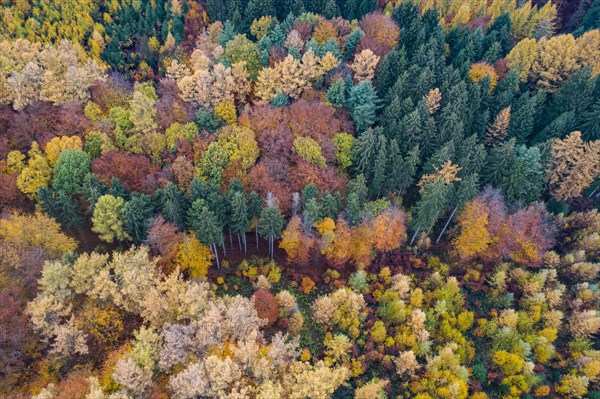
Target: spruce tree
x=138, y=211
x=240, y=221
x=434, y=200
x=330, y=204
x=380, y=167
x=353, y=209
x=363, y=103
x=172, y=204
x=336, y=94
x=270, y=225
x=206, y=226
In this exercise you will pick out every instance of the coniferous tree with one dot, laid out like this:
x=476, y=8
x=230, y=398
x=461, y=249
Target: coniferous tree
x=270, y=225
x=311, y=213
x=363, y=103
x=70, y=170
x=380, y=167
x=240, y=221
x=364, y=152
x=255, y=204
x=206, y=226
x=138, y=212
x=434, y=200
x=172, y=204
x=336, y=94
x=353, y=209
x=330, y=204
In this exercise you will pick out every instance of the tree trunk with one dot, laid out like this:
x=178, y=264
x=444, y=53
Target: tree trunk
x=216, y=255
x=223, y=246
x=244, y=238
x=230, y=239
x=446, y=225
x=256, y=231
x=240, y=242
x=414, y=236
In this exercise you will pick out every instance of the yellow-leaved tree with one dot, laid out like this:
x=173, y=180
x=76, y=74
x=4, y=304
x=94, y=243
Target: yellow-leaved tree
x=36, y=231
x=193, y=256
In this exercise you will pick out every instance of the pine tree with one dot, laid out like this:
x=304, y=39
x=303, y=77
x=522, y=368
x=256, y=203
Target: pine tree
x=309, y=192
x=255, y=204
x=311, y=213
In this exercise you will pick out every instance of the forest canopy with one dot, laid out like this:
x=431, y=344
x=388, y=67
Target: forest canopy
x=309, y=199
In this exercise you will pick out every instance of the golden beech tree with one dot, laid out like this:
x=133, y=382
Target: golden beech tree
x=36, y=174
x=361, y=245
x=36, y=231
x=389, y=230
x=575, y=165
x=482, y=70
x=295, y=243
x=58, y=145
x=335, y=241
x=193, y=256
x=474, y=237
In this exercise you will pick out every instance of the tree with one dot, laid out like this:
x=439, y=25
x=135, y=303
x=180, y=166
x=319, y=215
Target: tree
x=295, y=243
x=434, y=200
x=499, y=129
x=241, y=49
x=389, y=230
x=364, y=65
x=193, y=256
x=172, y=204
x=240, y=218
x=555, y=60
x=35, y=231
x=575, y=165
x=363, y=103
x=270, y=224
x=474, y=237
x=138, y=212
x=70, y=171
x=109, y=220
x=36, y=174
x=521, y=57
x=310, y=150
x=206, y=225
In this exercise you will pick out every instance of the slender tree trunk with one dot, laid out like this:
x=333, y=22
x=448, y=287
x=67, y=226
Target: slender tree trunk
x=245, y=247
x=223, y=246
x=446, y=225
x=256, y=232
x=593, y=192
x=230, y=239
x=414, y=236
x=240, y=242
x=216, y=255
